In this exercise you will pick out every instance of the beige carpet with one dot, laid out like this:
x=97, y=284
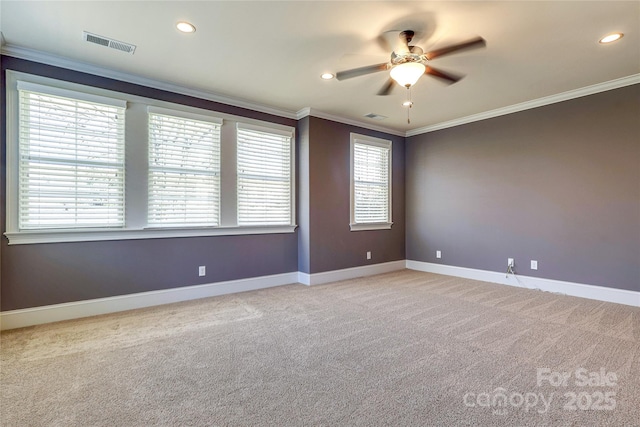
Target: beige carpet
x=399, y=349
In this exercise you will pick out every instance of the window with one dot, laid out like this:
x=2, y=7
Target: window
x=370, y=183
x=89, y=164
x=264, y=177
x=184, y=170
x=71, y=159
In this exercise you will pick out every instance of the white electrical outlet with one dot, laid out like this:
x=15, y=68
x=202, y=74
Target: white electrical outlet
x=510, y=262
x=438, y=254
x=368, y=254
x=534, y=265
x=202, y=270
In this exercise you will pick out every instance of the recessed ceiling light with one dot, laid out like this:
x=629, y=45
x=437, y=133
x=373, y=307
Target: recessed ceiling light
x=611, y=38
x=327, y=76
x=185, y=27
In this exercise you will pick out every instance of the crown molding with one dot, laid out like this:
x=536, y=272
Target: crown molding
x=58, y=61
x=540, y=102
x=322, y=115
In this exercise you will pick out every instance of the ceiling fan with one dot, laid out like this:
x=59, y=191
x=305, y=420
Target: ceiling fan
x=409, y=63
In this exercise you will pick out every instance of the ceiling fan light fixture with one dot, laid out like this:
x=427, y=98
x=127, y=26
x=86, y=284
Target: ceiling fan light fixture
x=609, y=38
x=407, y=74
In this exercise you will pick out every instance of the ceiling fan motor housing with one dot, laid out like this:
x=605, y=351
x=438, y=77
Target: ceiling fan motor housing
x=408, y=57
x=407, y=35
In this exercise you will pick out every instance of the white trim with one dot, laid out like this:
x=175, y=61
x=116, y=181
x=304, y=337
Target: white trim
x=58, y=61
x=619, y=296
x=208, y=117
x=371, y=140
x=12, y=137
x=70, y=94
x=365, y=226
x=304, y=278
x=350, y=273
x=73, y=310
x=384, y=144
x=78, y=235
x=535, y=103
x=322, y=115
x=281, y=130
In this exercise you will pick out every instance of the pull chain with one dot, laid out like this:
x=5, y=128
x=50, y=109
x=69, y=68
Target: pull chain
x=409, y=104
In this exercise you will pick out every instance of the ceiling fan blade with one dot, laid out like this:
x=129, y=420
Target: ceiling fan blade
x=386, y=89
x=449, y=78
x=384, y=41
x=361, y=71
x=471, y=44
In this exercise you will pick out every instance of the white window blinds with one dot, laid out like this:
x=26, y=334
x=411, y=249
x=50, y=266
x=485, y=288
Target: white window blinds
x=71, y=159
x=371, y=192
x=184, y=171
x=264, y=177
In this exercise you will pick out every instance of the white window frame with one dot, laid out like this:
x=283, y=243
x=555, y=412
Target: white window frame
x=136, y=172
x=217, y=124
x=68, y=162
x=290, y=136
x=380, y=143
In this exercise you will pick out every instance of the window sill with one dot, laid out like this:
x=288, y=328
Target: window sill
x=371, y=226
x=92, y=235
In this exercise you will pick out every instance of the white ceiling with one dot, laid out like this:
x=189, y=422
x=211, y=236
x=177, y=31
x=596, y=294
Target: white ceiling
x=272, y=53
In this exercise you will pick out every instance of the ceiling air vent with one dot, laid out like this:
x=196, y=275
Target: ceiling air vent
x=105, y=41
x=375, y=116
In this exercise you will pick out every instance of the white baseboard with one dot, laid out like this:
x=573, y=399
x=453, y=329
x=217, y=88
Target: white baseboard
x=600, y=293
x=350, y=273
x=73, y=310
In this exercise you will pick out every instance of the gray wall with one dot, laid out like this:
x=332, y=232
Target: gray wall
x=333, y=246
x=303, y=194
x=559, y=184
x=36, y=275
x=42, y=274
